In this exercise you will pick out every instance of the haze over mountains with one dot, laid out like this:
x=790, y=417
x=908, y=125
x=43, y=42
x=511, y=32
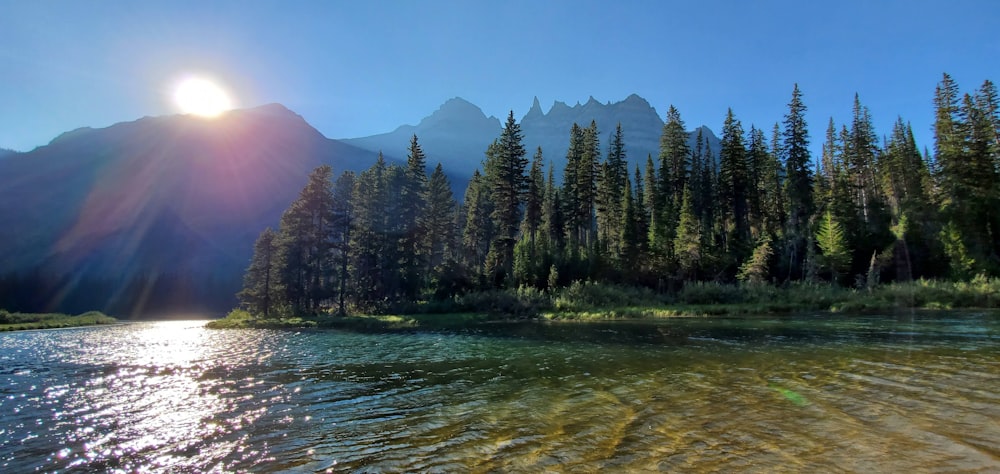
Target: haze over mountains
x=163, y=211
x=167, y=197
x=458, y=133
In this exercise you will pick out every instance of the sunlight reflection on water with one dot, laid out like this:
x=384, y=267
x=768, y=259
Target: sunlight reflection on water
x=694, y=395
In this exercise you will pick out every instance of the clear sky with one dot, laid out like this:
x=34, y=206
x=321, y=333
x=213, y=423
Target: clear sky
x=356, y=68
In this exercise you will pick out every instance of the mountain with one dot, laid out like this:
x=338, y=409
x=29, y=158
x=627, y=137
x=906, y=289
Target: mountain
x=5, y=152
x=456, y=135
x=162, y=203
x=641, y=126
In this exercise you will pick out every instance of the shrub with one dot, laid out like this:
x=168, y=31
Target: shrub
x=523, y=302
x=588, y=295
x=709, y=293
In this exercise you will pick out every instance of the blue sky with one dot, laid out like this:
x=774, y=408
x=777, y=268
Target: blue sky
x=360, y=68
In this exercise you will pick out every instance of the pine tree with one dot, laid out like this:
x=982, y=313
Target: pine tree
x=687, y=243
x=552, y=217
x=505, y=175
x=756, y=269
x=586, y=183
x=343, y=223
x=641, y=217
x=439, y=237
x=260, y=283
x=734, y=189
x=305, y=244
x=965, y=155
x=412, y=249
x=395, y=276
x=368, y=238
x=651, y=207
x=570, y=188
x=798, y=182
x=610, y=202
x=534, y=198
x=757, y=191
x=832, y=243
x=860, y=151
x=478, y=231
x=675, y=159
x=631, y=230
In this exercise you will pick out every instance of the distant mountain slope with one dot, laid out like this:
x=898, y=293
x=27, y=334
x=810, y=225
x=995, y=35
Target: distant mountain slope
x=174, y=196
x=458, y=133
x=640, y=122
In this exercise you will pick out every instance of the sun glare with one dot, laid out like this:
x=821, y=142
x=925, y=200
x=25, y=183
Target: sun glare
x=201, y=97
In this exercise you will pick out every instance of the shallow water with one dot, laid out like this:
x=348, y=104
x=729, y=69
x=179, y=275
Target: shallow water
x=810, y=393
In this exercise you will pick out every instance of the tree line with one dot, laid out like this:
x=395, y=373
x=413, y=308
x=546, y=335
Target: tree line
x=758, y=210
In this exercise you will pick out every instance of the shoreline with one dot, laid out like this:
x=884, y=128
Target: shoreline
x=459, y=321
x=12, y=322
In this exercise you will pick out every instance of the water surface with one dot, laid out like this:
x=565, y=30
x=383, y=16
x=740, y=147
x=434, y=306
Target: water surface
x=811, y=393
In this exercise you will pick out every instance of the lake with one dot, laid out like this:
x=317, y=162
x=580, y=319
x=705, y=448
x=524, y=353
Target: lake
x=896, y=392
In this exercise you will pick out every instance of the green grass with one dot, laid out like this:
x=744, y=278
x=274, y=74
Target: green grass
x=588, y=301
x=240, y=319
x=24, y=321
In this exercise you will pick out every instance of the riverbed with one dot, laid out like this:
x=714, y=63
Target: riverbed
x=893, y=392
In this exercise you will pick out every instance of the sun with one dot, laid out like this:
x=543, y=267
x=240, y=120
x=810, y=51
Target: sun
x=201, y=97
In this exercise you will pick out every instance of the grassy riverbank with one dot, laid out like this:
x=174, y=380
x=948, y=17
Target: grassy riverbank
x=23, y=321
x=595, y=301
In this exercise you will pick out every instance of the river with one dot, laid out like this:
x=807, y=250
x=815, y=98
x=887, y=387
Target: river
x=811, y=393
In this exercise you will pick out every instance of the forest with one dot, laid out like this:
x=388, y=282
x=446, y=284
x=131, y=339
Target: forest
x=760, y=210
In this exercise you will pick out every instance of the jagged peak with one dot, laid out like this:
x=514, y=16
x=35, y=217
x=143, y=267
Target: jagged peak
x=592, y=101
x=535, y=111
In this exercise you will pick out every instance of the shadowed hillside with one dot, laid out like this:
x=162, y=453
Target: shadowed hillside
x=140, y=204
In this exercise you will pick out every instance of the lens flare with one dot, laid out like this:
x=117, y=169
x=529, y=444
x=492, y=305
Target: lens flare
x=201, y=97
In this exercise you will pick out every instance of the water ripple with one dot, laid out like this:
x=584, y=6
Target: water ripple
x=807, y=394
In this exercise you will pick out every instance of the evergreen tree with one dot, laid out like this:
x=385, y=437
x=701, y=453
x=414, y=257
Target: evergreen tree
x=570, y=188
x=412, y=249
x=798, y=182
x=632, y=230
x=439, y=237
x=586, y=183
x=610, y=201
x=757, y=191
x=650, y=203
x=756, y=269
x=832, y=243
x=534, y=198
x=396, y=272
x=687, y=243
x=675, y=159
x=305, y=243
x=552, y=217
x=369, y=239
x=505, y=175
x=965, y=155
x=905, y=183
x=260, y=285
x=734, y=189
x=343, y=222
x=641, y=219
x=478, y=231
